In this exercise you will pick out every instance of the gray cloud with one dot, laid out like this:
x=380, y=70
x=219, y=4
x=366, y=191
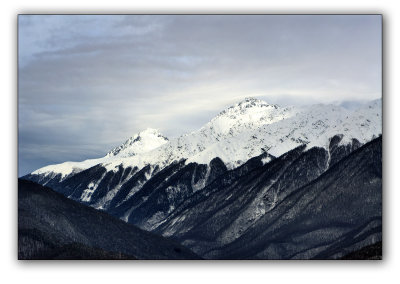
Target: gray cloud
x=86, y=83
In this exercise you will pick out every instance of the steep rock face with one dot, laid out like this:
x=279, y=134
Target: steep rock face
x=226, y=208
x=50, y=179
x=51, y=226
x=335, y=214
x=338, y=151
x=288, y=208
x=165, y=191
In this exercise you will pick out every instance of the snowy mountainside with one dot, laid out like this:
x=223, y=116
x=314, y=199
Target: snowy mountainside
x=142, y=142
x=251, y=127
x=312, y=125
x=139, y=143
x=240, y=132
x=248, y=114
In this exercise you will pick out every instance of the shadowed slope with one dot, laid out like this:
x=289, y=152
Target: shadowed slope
x=51, y=226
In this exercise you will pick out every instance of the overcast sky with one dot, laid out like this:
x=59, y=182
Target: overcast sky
x=87, y=83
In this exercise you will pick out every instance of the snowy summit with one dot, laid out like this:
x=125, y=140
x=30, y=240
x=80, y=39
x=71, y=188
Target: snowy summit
x=141, y=142
x=238, y=133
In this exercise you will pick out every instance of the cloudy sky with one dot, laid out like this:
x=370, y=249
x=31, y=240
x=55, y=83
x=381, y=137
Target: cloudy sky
x=87, y=83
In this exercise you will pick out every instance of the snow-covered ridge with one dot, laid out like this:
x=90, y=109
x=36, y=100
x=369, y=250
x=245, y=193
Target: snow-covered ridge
x=248, y=114
x=239, y=133
x=68, y=168
x=312, y=125
x=141, y=142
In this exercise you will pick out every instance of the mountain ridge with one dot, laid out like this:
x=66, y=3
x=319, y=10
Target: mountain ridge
x=146, y=188
x=239, y=133
x=214, y=187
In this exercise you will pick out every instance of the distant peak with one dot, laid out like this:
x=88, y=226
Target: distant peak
x=246, y=104
x=144, y=141
x=149, y=131
x=251, y=100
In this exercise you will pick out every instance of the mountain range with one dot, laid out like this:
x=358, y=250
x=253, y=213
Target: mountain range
x=258, y=181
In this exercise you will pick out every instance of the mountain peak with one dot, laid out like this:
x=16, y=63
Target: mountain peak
x=247, y=105
x=144, y=141
x=239, y=133
x=149, y=131
x=250, y=100
x=248, y=114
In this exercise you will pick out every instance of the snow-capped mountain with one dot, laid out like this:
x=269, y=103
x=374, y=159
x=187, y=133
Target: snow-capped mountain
x=312, y=125
x=215, y=187
x=139, y=143
x=237, y=134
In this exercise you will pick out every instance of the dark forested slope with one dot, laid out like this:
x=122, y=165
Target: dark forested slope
x=51, y=226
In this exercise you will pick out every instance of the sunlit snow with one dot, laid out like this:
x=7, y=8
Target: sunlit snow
x=239, y=133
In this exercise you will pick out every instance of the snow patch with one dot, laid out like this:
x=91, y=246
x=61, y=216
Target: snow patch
x=266, y=160
x=87, y=193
